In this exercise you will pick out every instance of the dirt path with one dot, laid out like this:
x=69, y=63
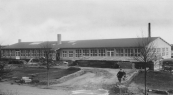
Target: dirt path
x=81, y=80
x=92, y=80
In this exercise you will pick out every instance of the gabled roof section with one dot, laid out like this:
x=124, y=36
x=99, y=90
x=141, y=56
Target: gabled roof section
x=31, y=45
x=98, y=43
x=165, y=41
x=103, y=43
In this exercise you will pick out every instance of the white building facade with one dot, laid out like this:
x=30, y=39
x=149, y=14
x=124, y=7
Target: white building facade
x=102, y=49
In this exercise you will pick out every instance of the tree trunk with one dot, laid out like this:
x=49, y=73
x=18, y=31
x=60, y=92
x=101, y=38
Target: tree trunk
x=0, y=53
x=47, y=78
x=145, y=79
x=47, y=71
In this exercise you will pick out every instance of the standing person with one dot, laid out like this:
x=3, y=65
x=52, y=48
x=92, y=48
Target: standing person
x=124, y=75
x=120, y=75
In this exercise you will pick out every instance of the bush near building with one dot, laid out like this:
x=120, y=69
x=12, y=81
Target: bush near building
x=141, y=65
x=112, y=64
x=95, y=63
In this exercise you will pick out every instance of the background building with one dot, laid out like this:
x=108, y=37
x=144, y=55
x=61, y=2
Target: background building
x=101, y=49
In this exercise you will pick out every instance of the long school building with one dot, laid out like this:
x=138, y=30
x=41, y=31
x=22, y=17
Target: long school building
x=102, y=49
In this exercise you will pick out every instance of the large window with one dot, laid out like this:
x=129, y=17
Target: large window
x=137, y=52
x=78, y=53
x=101, y=52
x=31, y=53
x=158, y=50
x=110, y=52
x=34, y=52
x=93, y=52
x=9, y=52
x=13, y=53
x=22, y=52
x=64, y=53
x=132, y=52
x=126, y=52
x=163, y=51
x=37, y=53
x=70, y=53
x=166, y=51
x=119, y=52
x=27, y=53
x=86, y=52
x=42, y=53
x=5, y=53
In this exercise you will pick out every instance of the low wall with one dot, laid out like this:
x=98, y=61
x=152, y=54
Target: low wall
x=79, y=73
x=70, y=76
x=130, y=77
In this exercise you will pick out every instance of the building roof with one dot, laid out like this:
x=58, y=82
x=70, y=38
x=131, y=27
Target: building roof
x=3, y=46
x=104, y=43
x=31, y=45
x=98, y=43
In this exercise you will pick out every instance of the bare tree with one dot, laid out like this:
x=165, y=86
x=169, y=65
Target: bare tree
x=47, y=48
x=0, y=52
x=2, y=63
x=147, y=53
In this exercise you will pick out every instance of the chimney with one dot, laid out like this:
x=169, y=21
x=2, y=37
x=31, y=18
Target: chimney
x=149, y=30
x=19, y=40
x=58, y=39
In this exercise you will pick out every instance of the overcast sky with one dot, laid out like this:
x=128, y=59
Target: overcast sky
x=42, y=20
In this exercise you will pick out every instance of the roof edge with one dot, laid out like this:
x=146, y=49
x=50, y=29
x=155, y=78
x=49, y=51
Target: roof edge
x=165, y=41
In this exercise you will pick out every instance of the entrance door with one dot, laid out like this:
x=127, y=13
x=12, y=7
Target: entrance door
x=110, y=53
x=17, y=54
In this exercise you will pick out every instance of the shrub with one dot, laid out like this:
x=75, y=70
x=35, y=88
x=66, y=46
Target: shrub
x=3, y=69
x=126, y=65
x=35, y=81
x=95, y=63
x=2, y=66
x=73, y=68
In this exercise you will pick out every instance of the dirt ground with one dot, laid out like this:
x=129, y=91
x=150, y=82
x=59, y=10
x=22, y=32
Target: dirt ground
x=93, y=80
x=27, y=90
x=89, y=81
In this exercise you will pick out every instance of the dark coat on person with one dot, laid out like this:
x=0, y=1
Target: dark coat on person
x=120, y=74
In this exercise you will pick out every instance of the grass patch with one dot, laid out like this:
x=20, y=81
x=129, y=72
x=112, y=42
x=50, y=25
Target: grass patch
x=155, y=80
x=41, y=73
x=8, y=93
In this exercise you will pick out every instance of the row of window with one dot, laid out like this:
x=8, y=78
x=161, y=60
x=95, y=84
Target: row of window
x=162, y=51
x=27, y=53
x=100, y=52
x=110, y=52
x=87, y=52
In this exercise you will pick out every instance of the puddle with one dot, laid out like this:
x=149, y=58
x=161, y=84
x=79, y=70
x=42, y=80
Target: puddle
x=90, y=92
